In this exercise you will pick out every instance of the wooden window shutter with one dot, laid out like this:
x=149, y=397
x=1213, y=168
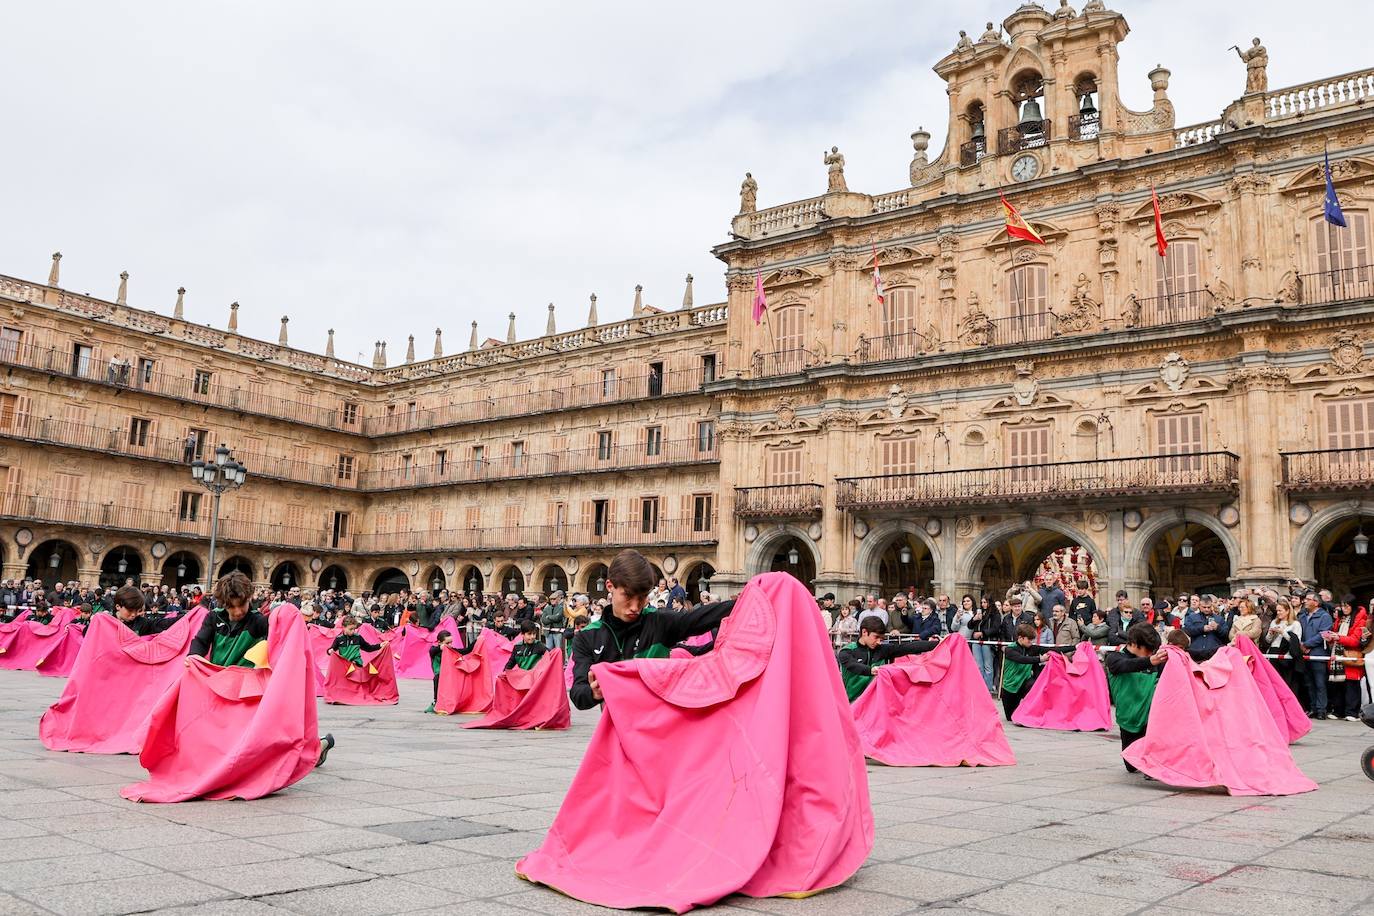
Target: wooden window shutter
x=899, y=311
x=436, y=518
x=22, y=409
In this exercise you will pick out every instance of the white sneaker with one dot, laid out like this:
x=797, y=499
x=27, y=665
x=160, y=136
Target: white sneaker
x=1352, y=718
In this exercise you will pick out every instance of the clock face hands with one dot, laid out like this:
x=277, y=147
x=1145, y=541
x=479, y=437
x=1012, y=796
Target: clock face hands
x=1025, y=168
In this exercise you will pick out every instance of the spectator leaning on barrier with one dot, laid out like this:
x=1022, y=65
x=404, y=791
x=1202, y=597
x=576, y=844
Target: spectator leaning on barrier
x=1315, y=621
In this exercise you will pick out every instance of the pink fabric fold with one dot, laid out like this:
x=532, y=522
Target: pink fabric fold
x=467, y=683
x=114, y=686
x=533, y=699
x=347, y=684
x=1068, y=695
x=25, y=645
x=1209, y=726
x=235, y=732
x=62, y=652
x=738, y=771
x=932, y=710
x=410, y=648
x=1278, y=696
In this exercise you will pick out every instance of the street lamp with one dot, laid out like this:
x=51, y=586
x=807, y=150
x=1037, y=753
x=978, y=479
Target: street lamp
x=55, y=560
x=555, y=586
x=601, y=583
x=333, y=582
x=472, y=586
x=1361, y=542
x=123, y=564
x=510, y=584
x=793, y=556
x=1186, y=548
x=217, y=475
x=905, y=555
x=435, y=585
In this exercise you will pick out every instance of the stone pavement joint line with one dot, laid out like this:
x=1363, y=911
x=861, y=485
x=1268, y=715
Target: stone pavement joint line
x=415, y=815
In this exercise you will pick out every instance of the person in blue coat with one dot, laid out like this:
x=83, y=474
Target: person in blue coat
x=1315, y=620
x=1207, y=629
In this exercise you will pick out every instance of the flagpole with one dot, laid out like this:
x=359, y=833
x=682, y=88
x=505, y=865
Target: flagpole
x=1333, y=252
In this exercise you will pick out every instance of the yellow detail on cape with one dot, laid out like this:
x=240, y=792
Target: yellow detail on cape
x=257, y=654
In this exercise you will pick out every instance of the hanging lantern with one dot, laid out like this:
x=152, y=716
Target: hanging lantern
x=555, y=586
x=1361, y=542
x=600, y=584
x=793, y=556
x=122, y=565
x=286, y=577
x=472, y=585
x=55, y=560
x=1185, y=549
x=510, y=584
x=181, y=570
x=333, y=581
x=435, y=585
x=905, y=555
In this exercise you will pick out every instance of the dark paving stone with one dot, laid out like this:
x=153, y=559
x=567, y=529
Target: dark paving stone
x=442, y=828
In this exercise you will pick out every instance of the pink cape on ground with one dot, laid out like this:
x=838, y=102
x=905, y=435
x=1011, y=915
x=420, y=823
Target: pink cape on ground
x=356, y=685
x=117, y=681
x=1068, y=695
x=319, y=639
x=235, y=732
x=410, y=648
x=25, y=645
x=1209, y=727
x=738, y=771
x=467, y=683
x=1278, y=696
x=529, y=699
x=932, y=710
x=62, y=652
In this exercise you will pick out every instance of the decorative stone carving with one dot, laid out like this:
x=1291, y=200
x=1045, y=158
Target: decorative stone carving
x=96, y=546
x=963, y=526
x=572, y=565
x=24, y=536
x=990, y=35
x=934, y=526
x=1025, y=387
x=751, y=534
x=448, y=566
x=1290, y=288
x=316, y=564
x=976, y=327
x=1299, y=513
x=860, y=528
x=1132, y=519
x=1107, y=215
x=896, y=402
x=158, y=550
x=1346, y=353
x=1256, y=59
x=836, y=418
x=1174, y=371
x=1229, y=516
x=815, y=531
x=1084, y=312
x=1097, y=521
x=834, y=163
x=670, y=564
x=1133, y=310
x=922, y=170
x=963, y=44
x=748, y=194
x=787, y=414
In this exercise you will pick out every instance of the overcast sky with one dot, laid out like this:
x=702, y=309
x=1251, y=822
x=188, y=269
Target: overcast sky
x=388, y=168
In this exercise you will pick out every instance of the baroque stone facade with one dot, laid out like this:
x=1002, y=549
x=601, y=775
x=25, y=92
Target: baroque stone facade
x=1193, y=421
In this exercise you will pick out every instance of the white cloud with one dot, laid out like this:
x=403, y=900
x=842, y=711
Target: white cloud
x=384, y=169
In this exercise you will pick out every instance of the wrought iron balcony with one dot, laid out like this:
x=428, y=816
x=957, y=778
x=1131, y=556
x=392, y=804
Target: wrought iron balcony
x=904, y=345
x=1194, y=472
x=1188, y=305
x=1025, y=328
x=674, y=453
x=972, y=152
x=788, y=500
x=1085, y=127
x=1347, y=284
x=534, y=537
x=783, y=362
x=1329, y=469
x=1030, y=135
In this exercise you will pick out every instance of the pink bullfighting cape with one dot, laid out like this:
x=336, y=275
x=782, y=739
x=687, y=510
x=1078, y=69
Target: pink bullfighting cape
x=529, y=699
x=370, y=682
x=467, y=683
x=1069, y=695
x=117, y=681
x=1278, y=696
x=235, y=732
x=410, y=648
x=738, y=771
x=25, y=645
x=1209, y=727
x=932, y=710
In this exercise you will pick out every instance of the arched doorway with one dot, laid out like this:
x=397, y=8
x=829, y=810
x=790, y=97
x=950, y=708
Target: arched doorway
x=285, y=577
x=434, y=580
x=1017, y=551
x=511, y=581
x=236, y=563
x=52, y=562
x=181, y=568
x=389, y=581
x=334, y=577
x=472, y=581
x=120, y=565
x=906, y=561
x=698, y=580
x=1189, y=558
x=554, y=579
x=1344, y=561
x=597, y=574
x=793, y=555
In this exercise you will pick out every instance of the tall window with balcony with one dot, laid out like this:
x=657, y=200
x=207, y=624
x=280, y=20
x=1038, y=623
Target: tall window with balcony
x=1028, y=305
x=342, y=534
x=1028, y=453
x=145, y=372
x=706, y=437
x=784, y=466
x=898, y=334
x=708, y=368
x=441, y=462
x=604, y=447
x=1350, y=431
x=139, y=428
x=349, y=413
x=478, y=458
x=344, y=469
x=789, y=330
x=897, y=458
x=14, y=412
x=188, y=506
x=83, y=360
x=1341, y=260
x=648, y=515
x=655, y=379
x=600, y=511
x=608, y=385
x=1178, y=284
x=517, y=455
x=200, y=382
x=653, y=441
x=703, y=512
x=10, y=339
x=1179, y=435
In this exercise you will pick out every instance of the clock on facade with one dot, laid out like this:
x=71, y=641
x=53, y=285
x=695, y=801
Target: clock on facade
x=1025, y=168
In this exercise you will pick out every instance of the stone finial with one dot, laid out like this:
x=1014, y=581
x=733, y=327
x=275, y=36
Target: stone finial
x=376, y=354
x=179, y=310
x=687, y=294
x=233, y=316
x=550, y=330
x=1159, y=81
x=329, y=345
x=591, y=313
x=639, y=301
x=384, y=354
x=53, y=272
x=438, y=342
x=281, y=337
x=122, y=297
x=510, y=331
x=410, y=350
x=472, y=341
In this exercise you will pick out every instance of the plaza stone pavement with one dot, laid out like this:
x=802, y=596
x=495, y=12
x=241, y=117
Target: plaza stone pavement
x=412, y=814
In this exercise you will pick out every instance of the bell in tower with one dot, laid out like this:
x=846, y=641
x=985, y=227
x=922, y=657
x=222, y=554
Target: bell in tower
x=1086, y=109
x=1030, y=116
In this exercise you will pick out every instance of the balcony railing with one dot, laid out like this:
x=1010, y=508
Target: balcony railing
x=904, y=345
x=534, y=537
x=1346, y=284
x=782, y=362
x=1085, y=127
x=589, y=394
x=1329, y=469
x=124, y=441
x=1022, y=329
x=1029, y=135
x=168, y=522
x=972, y=152
x=573, y=461
x=1194, y=472
x=788, y=500
x=1190, y=305
x=65, y=361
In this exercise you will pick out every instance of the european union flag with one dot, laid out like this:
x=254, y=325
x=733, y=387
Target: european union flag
x=1331, y=206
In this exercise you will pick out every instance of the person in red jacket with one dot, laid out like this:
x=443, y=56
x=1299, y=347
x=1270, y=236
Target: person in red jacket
x=1348, y=632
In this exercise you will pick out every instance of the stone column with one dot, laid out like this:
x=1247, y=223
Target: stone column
x=1263, y=525
x=14, y=570
x=837, y=546
x=1250, y=238
x=153, y=579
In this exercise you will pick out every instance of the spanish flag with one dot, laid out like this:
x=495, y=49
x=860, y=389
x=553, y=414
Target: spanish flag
x=1017, y=227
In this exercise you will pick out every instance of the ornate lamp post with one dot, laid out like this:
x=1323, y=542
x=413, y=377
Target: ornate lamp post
x=217, y=475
